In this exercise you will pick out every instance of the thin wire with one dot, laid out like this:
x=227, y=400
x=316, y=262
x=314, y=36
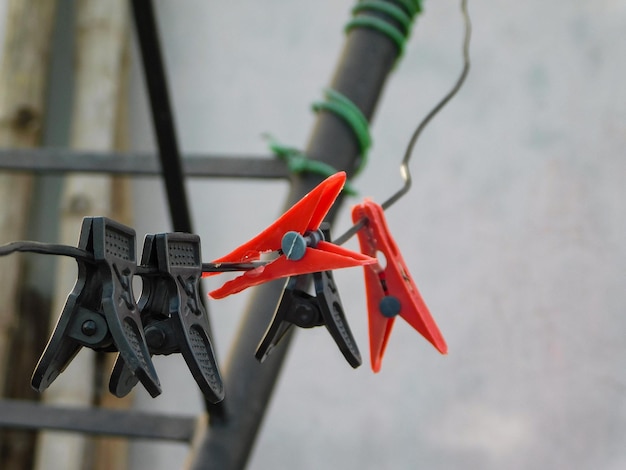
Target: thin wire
x=404, y=167
x=46, y=249
x=350, y=232
x=25, y=246
x=231, y=267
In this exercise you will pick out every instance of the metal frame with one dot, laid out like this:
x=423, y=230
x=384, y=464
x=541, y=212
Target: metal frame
x=21, y=414
x=233, y=424
x=61, y=161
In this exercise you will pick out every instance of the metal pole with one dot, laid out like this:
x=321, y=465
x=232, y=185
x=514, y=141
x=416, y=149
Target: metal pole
x=367, y=59
x=162, y=116
x=50, y=160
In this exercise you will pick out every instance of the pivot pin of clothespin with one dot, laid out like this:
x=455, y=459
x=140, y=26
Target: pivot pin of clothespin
x=390, y=289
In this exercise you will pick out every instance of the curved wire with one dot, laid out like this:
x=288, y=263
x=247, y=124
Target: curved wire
x=45, y=249
x=404, y=167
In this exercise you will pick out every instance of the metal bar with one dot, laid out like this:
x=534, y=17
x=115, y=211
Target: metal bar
x=367, y=59
x=162, y=116
x=52, y=160
x=19, y=414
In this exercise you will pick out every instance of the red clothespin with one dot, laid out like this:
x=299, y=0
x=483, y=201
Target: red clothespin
x=390, y=290
x=297, y=238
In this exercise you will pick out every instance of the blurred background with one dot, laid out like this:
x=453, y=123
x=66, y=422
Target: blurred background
x=514, y=230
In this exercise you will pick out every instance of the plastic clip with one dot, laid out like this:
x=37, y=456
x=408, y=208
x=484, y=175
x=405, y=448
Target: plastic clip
x=296, y=307
x=172, y=312
x=390, y=289
x=294, y=237
x=100, y=312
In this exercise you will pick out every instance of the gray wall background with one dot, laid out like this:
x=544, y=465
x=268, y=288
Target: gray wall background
x=514, y=231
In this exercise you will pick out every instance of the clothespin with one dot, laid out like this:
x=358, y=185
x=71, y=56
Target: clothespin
x=172, y=313
x=297, y=307
x=100, y=313
x=296, y=238
x=390, y=289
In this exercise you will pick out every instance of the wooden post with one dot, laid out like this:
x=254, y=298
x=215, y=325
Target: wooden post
x=22, y=84
x=101, y=33
x=23, y=75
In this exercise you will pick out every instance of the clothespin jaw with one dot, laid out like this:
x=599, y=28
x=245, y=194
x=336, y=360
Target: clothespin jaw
x=390, y=289
x=296, y=228
x=335, y=318
x=172, y=313
x=100, y=312
x=297, y=307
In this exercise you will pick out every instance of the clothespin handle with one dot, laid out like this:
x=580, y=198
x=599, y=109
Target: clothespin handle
x=114, y=247
x=335, y=318
x=172, y=312
x=179, y=255
x=122, y=379
x=295, y=307
x=293, y=237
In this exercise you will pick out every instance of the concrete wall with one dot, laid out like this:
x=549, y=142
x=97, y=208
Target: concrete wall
x=514, y=231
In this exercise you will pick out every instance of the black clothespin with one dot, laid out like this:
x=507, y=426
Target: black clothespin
x=172, y=313
x=100, y=313
x=297, y=307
